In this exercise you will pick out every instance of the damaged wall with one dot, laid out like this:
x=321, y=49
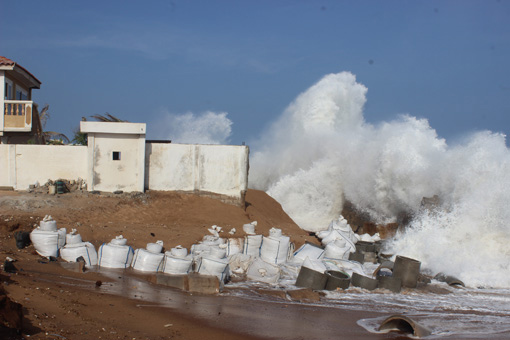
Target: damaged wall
x=25, y=164
x=221, y=169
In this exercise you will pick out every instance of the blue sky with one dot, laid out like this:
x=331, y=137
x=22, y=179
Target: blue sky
x=447, y=61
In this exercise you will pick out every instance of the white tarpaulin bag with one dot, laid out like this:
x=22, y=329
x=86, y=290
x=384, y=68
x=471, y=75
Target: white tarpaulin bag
x=47, y=240
x=177, y=265
x=116, y=254
x=275, y=251
x=213, y=266
x=308, y=250
x=338, y=249
x=239, y=263
x=252, y=245
x=73, y=251
x=260, y=270
x=235, y=246
x=149, y=259
x=75, y=247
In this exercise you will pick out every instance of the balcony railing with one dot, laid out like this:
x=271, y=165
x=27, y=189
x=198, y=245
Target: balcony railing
x=17, y=115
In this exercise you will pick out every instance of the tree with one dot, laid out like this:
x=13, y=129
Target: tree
x=47, y=137
x=108, y=118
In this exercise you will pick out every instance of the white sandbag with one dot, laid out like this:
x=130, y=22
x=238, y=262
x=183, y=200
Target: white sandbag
x=116, y=254
x=235, y=246
x=275, y=250
x=212, y=266
x=339, y=249
x=176, y=265
x=73, y=251
x=48, y=243
x=119, y=241
x=308, y=250
x=147, y=261
x=249, y=228
x=179, y=251
x=335, y=235
x=275, y=233
x=218, y=252
x=48, y=224
x=260, y=270
x=239, y=263
x=73, y=237
x=212, y=240
x=316, y=265
x=340, y=225
x=201, y=249
x=252, y=245
x=155, y=248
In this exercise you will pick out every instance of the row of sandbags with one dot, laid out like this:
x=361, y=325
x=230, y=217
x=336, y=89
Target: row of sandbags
x=211, y=256
x=259, y=257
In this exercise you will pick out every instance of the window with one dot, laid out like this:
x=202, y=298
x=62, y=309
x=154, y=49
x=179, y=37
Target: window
x=116, y=155
x=8, y=89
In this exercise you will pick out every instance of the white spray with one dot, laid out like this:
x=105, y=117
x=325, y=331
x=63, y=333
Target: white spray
x=321, y=151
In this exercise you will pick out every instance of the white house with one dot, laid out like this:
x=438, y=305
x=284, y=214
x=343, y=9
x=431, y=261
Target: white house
x=18, y=123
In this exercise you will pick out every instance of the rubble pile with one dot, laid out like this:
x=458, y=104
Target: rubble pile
x=51, y=186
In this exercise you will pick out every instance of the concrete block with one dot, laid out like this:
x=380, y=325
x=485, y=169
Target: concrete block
x=205, y=284
x=78, y=267
x=175, y=281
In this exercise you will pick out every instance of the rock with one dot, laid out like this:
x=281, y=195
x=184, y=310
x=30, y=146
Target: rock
x=22, y=239
x=9, y=267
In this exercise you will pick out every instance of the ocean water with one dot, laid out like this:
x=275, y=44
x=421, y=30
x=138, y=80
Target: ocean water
x=321, y=152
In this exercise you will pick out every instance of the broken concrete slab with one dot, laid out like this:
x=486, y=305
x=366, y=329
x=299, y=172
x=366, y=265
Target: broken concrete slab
x=175, y=281
x=204, y=284
x=193, y=282
x=78, y=267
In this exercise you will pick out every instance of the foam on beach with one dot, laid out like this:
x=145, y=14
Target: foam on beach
x=321, y=151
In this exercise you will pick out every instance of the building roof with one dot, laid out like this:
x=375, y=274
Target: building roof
x=8, y=64
x=6, y=61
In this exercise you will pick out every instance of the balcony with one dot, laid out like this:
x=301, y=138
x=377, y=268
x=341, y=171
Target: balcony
x=17, y=115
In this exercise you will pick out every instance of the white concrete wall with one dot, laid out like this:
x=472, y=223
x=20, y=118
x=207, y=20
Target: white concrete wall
x=6, y=177
x=106, y=174
x=221, y=169
x=24, y=164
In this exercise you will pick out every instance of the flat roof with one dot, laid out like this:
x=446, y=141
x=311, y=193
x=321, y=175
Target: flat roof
x=113, y=127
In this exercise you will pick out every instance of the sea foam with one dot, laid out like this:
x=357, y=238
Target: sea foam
x=321, y=152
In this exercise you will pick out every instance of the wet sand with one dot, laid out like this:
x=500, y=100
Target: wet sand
x=150, y=311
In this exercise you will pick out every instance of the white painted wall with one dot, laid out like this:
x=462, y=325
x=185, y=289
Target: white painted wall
x=221, y=169
x=6, y=178
x=106, y=174
x=24, y=164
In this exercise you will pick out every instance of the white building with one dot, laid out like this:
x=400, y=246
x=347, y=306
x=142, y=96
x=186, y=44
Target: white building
x=18, y=121
x=117, y=157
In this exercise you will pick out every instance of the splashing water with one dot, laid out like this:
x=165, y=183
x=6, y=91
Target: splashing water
x=205, y=128
x=321, y=151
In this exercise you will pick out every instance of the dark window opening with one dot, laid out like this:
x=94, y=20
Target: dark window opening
x=116, y=155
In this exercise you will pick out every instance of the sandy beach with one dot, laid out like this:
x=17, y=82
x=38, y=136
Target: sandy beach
x=122, y=304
